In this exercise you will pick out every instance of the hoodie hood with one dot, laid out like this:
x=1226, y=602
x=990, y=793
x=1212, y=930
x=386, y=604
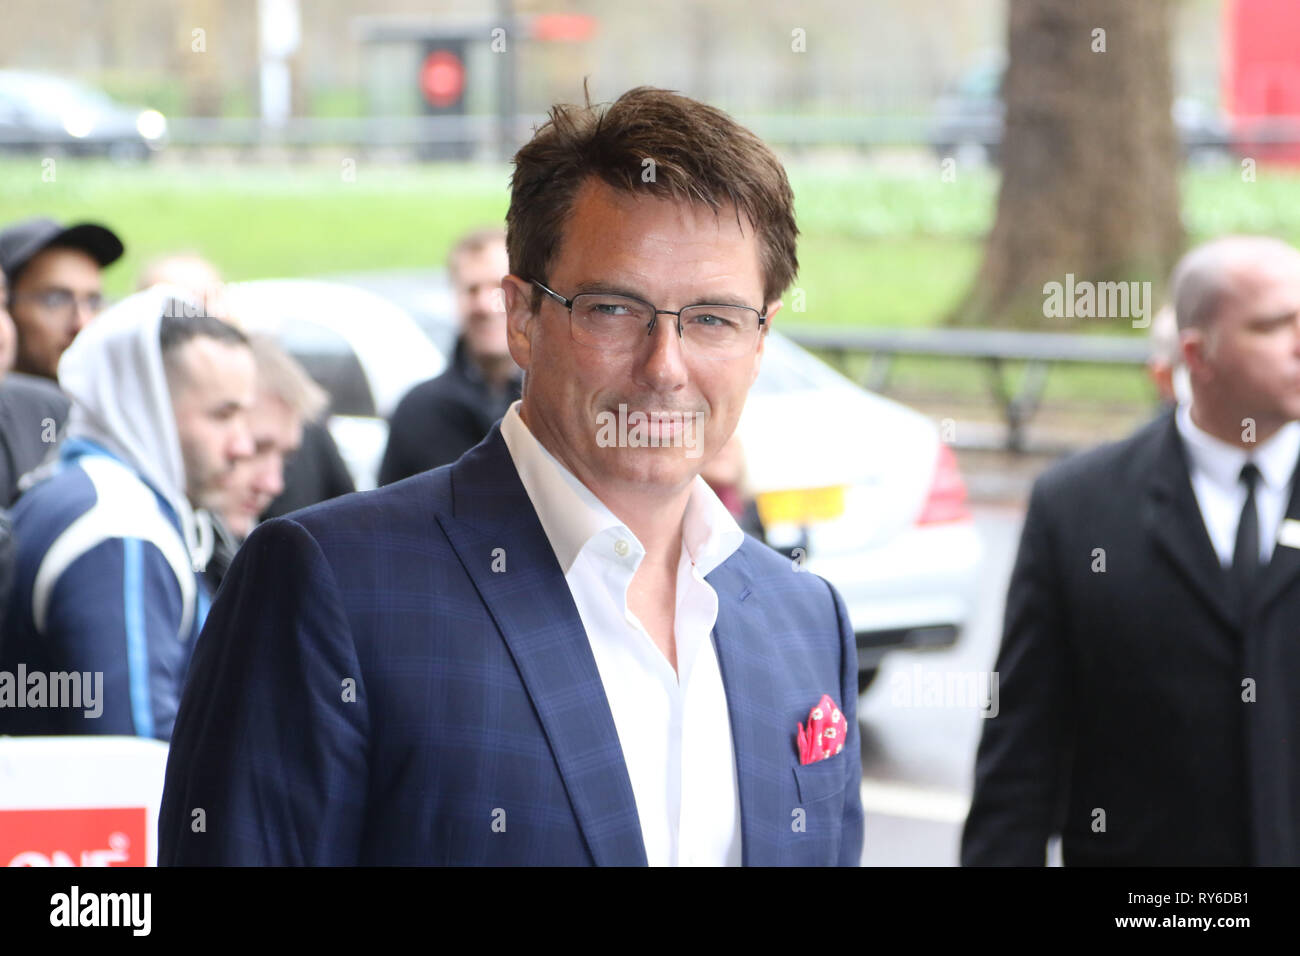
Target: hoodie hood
x=113, y=373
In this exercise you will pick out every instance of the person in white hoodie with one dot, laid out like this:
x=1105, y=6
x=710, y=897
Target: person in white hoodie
x=109, y=545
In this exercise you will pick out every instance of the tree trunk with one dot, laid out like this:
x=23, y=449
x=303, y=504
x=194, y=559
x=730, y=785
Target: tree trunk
x=1089, y=157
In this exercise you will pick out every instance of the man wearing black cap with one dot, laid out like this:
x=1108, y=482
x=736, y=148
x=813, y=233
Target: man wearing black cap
x=54, y=286
x=32, y=411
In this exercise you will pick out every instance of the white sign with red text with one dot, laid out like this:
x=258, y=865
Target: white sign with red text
x=80, y=801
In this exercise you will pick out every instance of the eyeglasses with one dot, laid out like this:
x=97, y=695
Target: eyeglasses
x=621, y=323
x=63, y=301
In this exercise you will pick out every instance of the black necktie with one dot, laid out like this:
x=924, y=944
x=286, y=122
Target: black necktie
x=1245, y=558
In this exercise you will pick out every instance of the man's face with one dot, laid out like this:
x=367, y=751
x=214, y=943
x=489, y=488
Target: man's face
x=213, y=390
x=477, y=280
x=1250, y=357
x=56, y=295
x=277, y=433
x=8, y=335
x=672, y=255
x=194, y=275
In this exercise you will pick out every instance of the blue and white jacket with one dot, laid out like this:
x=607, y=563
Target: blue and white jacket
x=103, y=584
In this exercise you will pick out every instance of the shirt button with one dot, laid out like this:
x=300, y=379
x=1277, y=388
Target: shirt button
x=620, y=548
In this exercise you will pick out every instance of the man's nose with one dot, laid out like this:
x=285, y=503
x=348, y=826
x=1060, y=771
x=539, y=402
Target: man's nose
x=489, y=299
x=241, y=443
x=82, y=313
x=269, y=479
x=664, y=360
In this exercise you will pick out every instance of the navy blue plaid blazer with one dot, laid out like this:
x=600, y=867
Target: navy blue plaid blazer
x=401, y=677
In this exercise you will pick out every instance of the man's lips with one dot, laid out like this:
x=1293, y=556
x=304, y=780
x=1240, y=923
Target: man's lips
x=660, y=425
x=667, y=426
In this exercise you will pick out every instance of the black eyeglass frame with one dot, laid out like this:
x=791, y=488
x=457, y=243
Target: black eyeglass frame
x=655, y=312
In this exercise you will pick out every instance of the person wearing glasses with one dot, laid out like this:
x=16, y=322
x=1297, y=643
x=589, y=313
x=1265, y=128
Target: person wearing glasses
x=561, y=649
x=55, y=288
x=32, y=411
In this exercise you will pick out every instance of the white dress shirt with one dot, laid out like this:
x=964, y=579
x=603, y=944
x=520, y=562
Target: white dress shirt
x=1215, y=468
x=673, y=727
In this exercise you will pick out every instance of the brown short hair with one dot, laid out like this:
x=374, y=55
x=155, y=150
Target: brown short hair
x=183, y=321
x=281, y=375
x=700, y=154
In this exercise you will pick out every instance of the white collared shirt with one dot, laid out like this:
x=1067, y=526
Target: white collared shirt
x=673, y=727
x=1215, y=468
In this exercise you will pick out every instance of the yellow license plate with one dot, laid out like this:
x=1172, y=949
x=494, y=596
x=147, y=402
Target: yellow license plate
x=806, y=506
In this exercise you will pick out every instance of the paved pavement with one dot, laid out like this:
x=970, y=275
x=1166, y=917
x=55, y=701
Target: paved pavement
x=918, y=752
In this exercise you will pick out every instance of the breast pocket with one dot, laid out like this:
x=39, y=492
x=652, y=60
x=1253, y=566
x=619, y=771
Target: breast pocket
x=818, y=816
x=817, y=781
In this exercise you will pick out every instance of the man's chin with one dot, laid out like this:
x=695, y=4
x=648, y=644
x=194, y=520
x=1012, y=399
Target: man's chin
x=666, y=468
x=214, y=500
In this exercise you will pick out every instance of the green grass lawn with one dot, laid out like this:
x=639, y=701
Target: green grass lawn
x=257, y=222
x=877, y=249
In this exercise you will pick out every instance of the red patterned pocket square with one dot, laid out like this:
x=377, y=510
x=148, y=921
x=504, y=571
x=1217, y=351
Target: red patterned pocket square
x=826, y=732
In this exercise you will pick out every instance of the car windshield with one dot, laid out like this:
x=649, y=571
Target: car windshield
x=329, y=359
x=788, y=368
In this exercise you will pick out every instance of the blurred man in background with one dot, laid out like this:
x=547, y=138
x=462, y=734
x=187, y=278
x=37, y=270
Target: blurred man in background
x=1149, y=669
x=31, y=412
x=316, y=472
x=286, y=399
x=108, y=547
x=191, y=272
x=55, y=288
x=441, y=419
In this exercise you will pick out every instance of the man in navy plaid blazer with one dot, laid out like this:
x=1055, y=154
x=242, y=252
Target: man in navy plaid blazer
x=559, y=650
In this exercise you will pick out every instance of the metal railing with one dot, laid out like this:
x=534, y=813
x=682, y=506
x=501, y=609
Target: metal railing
x=993, y=348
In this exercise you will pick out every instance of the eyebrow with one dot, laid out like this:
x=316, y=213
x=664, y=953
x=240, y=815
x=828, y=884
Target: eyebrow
x=1275, y=318
x=596, y=285
x=67, y=290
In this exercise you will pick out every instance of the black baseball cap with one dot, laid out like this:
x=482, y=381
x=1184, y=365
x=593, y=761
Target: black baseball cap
x=19, y=243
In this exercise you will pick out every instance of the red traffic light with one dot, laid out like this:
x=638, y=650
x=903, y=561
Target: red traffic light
x=442, y=78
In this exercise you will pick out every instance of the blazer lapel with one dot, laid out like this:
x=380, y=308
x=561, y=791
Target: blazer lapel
x=1283, y=568
x=1173, y=519
x=762, y=745
x=530, y=602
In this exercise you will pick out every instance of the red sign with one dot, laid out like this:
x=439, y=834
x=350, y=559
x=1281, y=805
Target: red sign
x=570, y=27
x=442, y=78
x=101, y=837
x=1261, y=75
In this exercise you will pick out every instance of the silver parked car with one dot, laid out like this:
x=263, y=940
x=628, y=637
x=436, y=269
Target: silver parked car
x=51, y=113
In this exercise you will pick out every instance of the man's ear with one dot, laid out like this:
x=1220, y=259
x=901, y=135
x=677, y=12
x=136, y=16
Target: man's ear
x=519, y=314
x=1194, y=345
x=772, y=309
